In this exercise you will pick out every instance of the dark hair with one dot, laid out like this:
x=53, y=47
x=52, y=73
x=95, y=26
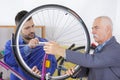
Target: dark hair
x=19, y=16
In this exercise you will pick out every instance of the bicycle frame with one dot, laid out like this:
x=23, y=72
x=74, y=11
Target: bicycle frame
x=8, y=68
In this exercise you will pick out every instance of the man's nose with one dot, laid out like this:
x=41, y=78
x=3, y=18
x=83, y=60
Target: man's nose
x=93, y=31
x=32, y=30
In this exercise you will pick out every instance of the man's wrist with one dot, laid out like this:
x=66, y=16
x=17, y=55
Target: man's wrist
x=62, y=52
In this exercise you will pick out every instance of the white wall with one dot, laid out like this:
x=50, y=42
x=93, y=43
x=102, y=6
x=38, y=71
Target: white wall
x=117, y=24
x=9, y=9
x=87, y=9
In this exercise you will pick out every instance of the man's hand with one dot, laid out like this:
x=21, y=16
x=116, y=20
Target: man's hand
x=35, y=70
x=54, y=48
x=33, y=43
x=70, y=71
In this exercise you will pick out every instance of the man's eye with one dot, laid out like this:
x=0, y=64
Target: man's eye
x=27, y=28
x=33, y=26
x=97, y=28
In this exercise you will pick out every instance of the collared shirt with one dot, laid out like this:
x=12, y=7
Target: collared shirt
x=100, y=47
x=99, y=64
x=32, y=57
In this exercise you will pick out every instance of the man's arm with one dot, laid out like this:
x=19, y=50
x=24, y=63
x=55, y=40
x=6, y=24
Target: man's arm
x=105, y=58
x=8, y=55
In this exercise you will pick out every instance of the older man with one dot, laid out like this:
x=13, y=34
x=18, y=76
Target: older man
x=104, y=64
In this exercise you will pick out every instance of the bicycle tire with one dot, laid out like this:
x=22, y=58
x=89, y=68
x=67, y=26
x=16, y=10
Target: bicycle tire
x=67, y=11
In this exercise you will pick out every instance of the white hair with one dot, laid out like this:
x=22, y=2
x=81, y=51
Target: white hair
x=106, y=20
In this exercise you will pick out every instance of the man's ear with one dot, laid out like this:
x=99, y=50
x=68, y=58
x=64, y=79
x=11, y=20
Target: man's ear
x=108, y=30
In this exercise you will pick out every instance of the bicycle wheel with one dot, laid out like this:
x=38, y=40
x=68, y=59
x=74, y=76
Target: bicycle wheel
x=62, y=25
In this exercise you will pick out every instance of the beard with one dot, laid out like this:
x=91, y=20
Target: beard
x=29, y=36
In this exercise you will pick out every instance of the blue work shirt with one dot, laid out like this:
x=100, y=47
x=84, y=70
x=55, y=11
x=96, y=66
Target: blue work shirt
x=32, y=57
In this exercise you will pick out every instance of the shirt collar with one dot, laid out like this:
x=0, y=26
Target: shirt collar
x=100, y=47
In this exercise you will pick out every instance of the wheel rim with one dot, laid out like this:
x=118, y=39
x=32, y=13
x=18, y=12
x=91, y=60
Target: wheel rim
x=72, y=19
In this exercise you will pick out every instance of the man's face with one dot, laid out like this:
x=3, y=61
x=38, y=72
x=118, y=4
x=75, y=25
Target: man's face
x=99, y=31
x=28, y=30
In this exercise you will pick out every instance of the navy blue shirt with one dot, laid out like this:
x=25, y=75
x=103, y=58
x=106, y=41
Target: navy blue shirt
x=32, y=57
